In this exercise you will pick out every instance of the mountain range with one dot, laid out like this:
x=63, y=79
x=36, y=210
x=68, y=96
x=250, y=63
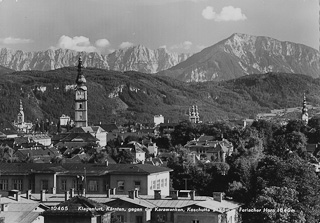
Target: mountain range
x=134, y=96
x=237, y=56
x=241, y=55
x=136, y=58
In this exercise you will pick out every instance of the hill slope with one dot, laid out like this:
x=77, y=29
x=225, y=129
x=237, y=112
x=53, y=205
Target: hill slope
x=124, y=96
x=241, y=55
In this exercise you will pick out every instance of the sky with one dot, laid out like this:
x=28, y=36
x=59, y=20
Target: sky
x=185, y=26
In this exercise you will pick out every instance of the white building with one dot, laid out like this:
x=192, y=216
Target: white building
x=158, y=119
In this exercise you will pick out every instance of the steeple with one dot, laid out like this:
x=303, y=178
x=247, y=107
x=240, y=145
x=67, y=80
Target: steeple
x=194, y=114
x=81, y=98
x=304, y=115
x=20, y=117
x=81, y=80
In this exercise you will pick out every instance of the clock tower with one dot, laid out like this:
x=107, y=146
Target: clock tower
x=81, y=98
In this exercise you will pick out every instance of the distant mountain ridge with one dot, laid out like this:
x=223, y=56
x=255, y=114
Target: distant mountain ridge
x=241, y=55
x=136, y=58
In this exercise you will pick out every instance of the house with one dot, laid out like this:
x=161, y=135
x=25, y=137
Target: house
x=44, y=154
x=95, y=131
x=215, y=150
x=136, y=149
x=174, y=208
x=78, y=209
x=58, y=178
x=17, y=209
x=77, y=140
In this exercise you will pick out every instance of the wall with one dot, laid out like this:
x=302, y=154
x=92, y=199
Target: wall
x=51, y=182
x=203, y=217
x=129, y=183
x=165, y=188
x=67, y=219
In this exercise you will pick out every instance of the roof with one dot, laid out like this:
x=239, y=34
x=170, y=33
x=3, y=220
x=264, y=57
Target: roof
x=23, y=211
x=109, y=127
x=88, y=129
x=78, y=168
x=78, y=205
x=79, y=137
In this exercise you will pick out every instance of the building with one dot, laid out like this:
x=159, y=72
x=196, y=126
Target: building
x=17, y=209
x=304, y=114
x=136, y=149
x=20, y=123
x=158, y=119
x=194, y=114
x=81, y=98
x=95, y=178
x=213, y=149
x=64, y=120
x=78, y=209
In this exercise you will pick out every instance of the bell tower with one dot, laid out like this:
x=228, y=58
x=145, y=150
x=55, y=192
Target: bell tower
x=81, y=98
x=20, y=117
x=304, y=115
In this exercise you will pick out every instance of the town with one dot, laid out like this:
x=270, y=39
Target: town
x=160, y=172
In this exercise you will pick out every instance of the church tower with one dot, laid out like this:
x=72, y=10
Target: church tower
x=194, y=114
x=304, y=115
x=81, y=98
x=20, y=116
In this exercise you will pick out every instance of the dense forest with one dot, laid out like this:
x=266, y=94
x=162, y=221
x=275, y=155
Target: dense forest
x=134, y=96
x=270, y=169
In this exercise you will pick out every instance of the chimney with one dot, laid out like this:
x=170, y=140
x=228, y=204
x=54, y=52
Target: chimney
x=66, y=195
x=157, y=194
x=83, y=192
x=109, y=193
x=18, y=196
x=131, y=194
x=71, y=192
x=217, y=196
x=136, y=192
x=28, y=194
x=54, y=190
x=193, y=195
x=43, y=196
x=174, y=194
x=113, y=190
x=106, y=162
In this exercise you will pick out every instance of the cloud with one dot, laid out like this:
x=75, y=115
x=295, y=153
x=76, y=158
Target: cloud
x=228, y=13
x=186, y=45
x=125, y=45
x=102, y=43
x=11, y=40
x=77, y=43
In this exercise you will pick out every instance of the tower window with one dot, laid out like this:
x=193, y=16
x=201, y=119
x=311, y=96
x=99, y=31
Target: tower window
x=80, y=106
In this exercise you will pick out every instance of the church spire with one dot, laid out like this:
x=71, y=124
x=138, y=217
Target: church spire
x=81, y=80
x=304, y=115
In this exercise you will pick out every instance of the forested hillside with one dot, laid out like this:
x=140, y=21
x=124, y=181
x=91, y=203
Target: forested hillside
x=123, y=96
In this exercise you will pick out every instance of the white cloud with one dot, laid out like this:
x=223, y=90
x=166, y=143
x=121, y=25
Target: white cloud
x=186, y=45
x=102, y=43
x=228, y=13
x=77, y=43
x=125, y=45
x=11, y=40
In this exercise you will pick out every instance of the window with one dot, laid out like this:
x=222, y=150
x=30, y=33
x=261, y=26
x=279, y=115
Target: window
x=137, y=184
x=162, y=182
x=153, y=184
x=3, y=184
x=44, y=184
x=138, y=219
x=158, y=184
x=17, y=184
x=195, y=221
x=161, y=217
x=64, y=185
x=120, y=184
x=120, y=218
x=165, y=182
x=93, y=185
x=105, y=185
x=80, y=106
